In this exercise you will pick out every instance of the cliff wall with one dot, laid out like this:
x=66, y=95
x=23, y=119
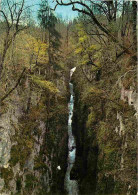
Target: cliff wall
x=104, y=125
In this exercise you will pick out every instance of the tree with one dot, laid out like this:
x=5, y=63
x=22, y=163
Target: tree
x=104, y=17
x=87, y=9
x=87, y=51
x=48, y=23
x=12, y=17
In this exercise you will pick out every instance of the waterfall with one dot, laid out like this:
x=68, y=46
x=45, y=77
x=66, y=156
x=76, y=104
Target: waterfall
x=71, y=186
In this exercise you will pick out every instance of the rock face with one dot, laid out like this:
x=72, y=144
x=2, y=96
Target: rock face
x=104, y=125
x=33, y=141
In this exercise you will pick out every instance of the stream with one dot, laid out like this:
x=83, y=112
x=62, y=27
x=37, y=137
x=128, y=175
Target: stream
x=71, y=186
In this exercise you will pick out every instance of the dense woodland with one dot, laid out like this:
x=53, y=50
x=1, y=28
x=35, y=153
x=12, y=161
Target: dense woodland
x=36, y=55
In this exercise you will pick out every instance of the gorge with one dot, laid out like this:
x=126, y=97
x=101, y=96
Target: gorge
x=71, y=185
x=68, y=98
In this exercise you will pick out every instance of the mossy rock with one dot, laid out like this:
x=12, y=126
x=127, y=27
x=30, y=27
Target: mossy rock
x=39, y=164
x=7, y=174
x=91, y=118
x=30, y=181
x=18, y=184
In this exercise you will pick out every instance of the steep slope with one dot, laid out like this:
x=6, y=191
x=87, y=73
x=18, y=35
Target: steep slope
x=33, y=128
x=104, y=125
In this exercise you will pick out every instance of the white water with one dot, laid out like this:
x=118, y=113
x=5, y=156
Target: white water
x=71, y=186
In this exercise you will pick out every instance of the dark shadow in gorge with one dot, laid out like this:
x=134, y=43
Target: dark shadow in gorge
x=85, y=168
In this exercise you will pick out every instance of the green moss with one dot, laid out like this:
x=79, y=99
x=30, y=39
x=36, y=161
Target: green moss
x=18, y=184
x=91, y=93
x=39, y=164
x=24, y=141
x=45, y=84
x=7, y=174
x=15, y=155
x=91, y=118
x=30, y=182
x=18, y=193
x=102, y=134
x=21, y=151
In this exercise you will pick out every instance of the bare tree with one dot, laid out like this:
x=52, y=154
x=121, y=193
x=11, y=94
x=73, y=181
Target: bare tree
x=12, y=16
x=107, y=9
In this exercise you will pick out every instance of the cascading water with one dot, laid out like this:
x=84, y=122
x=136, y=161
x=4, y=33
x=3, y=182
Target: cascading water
x=71, y=186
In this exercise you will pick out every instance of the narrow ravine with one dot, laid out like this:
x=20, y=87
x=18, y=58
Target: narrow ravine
x=71, y=186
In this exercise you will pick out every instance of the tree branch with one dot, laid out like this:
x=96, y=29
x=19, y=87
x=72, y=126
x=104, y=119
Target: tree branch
x=90, y=13
x=11, y=90
x=10, y=9
x=7, y=22
x=85, y=75
x=19, y=14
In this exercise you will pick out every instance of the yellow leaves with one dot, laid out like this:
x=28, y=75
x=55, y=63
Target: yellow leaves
x=83, y=62
x=37, y=48
x=40, y=51
x=94, y=47
x=40, y=48
x=45, y=84
x=85, y=59
x=79, y=50
x=81, y=31
x=29, y=49
x=28, y=41
x=83, y=39
x=95, y=90
x=87, y=50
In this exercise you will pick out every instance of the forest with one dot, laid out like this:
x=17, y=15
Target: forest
x=68, y=97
